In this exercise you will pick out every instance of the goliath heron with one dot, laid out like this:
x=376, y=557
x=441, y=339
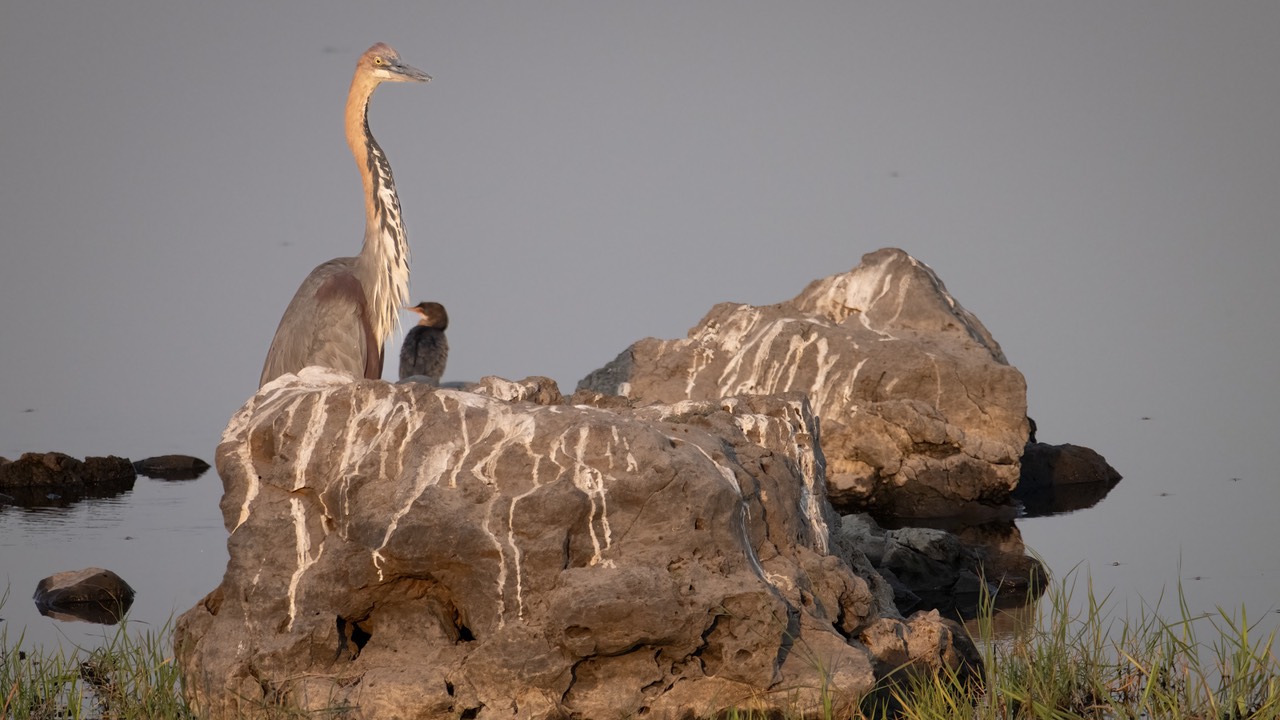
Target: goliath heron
x=425, y=349
x=345, y=309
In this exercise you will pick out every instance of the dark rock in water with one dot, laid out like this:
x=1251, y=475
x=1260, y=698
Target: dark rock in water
x=57, y=480
x=396, y=546
x=921, y=412
x=89, y=595
x=930, y=568
x=171, y=467
x=1062, y=478
x=58, y=469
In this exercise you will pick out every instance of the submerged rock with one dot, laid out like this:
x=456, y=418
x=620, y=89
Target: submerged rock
x=91, y=595
x=922, y=416
x=405, y=546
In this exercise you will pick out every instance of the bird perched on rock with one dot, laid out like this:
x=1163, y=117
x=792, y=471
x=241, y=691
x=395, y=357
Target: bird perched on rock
x=425, y=350
x=345, y=309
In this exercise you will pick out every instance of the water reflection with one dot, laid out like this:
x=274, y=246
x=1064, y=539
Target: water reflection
x=62, y=496
x=94, y=611
x=958, y=564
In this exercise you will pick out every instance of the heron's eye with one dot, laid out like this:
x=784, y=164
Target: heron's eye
x=377, y=61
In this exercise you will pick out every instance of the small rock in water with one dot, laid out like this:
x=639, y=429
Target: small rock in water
x=90, y=595
x=171, y=467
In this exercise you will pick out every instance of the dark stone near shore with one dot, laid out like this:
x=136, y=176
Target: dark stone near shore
x=1062, y=478
x=171, y=467
x=55, y=479
x=949, y=571
x=89, y=595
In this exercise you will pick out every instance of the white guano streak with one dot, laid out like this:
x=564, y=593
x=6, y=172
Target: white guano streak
x=591, y=482
x=437, y=461
x=305, y=561
x=307, y=443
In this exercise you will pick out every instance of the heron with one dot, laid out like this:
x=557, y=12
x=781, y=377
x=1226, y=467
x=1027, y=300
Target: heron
x=426, y=350
x=343, y=312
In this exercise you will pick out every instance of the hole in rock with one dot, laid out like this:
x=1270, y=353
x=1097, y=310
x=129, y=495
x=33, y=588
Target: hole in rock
x=470, y=713
x=353, y=635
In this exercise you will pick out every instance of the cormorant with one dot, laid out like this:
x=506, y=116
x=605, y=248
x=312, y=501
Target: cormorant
x=425, y=348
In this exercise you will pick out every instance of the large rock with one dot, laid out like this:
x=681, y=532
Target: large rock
x=405, y=551
x=922, y=416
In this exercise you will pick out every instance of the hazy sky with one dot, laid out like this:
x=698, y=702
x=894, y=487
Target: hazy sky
x=1098, y=181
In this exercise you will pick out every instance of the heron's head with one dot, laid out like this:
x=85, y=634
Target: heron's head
x=433, y=315
x=382, y=63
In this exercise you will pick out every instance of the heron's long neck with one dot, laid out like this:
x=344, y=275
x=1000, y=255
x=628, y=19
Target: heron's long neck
x=384, y=260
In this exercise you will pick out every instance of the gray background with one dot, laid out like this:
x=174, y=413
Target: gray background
x=1098, y=181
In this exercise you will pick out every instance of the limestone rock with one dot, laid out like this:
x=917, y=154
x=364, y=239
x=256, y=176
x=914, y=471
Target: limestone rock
x=407, y=551
x=921, y=414
x=925, y=643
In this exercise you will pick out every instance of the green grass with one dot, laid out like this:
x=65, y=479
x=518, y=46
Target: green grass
x=1087, y=664
x=132, y=676
x=1060, y=664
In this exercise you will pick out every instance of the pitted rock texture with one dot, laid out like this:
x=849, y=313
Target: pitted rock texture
x=406, y=551
x=921, y=414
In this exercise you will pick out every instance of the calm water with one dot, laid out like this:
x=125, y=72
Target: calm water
x=165, y=538
x=1183, y=514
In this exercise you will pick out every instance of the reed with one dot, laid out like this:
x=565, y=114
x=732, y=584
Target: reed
x=1089, y=664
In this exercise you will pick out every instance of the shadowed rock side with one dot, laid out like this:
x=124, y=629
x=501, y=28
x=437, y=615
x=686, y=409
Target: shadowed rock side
x=410, y=551
x=921, y=414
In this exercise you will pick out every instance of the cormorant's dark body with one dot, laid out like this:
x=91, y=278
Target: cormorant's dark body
x=425, y=350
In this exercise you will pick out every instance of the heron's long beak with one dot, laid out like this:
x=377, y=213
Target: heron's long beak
x=407, y=73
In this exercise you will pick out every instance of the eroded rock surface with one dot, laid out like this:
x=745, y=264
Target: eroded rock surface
x=405, y=551
x=921, y=413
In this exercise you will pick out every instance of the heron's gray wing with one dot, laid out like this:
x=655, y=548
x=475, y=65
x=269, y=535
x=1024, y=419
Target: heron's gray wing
x=326, y=323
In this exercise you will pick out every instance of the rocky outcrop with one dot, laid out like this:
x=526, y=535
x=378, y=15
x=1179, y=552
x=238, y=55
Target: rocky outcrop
x=54, y=479
x=91, y=595
x=921, y=414
x=410, y=551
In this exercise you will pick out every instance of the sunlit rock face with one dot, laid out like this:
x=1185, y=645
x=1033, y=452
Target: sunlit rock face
x=406, y=551
x=921, y=414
